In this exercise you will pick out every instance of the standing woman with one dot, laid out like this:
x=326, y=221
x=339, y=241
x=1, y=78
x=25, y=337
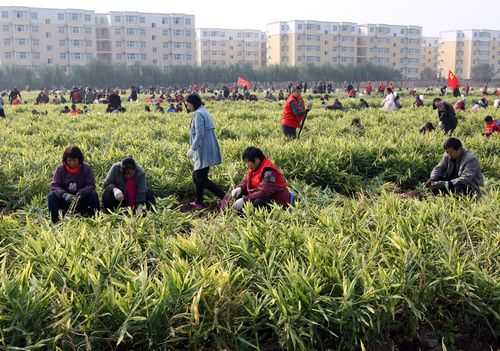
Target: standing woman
x=204, y=151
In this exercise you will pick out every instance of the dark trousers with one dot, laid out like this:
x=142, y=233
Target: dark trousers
x=88, y=205
x=201, y=182
x=458, y=189
x=109, y=203
x=289, y=132
x=2, y=113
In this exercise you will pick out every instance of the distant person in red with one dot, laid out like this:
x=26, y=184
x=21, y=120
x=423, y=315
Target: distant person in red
x=491, y=126
x=263, y=185
x=294, y=112
x=76, y=96
x=369, y=89
x=381, y=88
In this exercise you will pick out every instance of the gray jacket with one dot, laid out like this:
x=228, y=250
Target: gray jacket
x=116, y=179
x=469, y=171
x=206, y=150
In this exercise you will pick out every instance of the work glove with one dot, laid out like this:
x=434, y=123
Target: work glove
x=68, y=197
x=239, y=204
x=72, y=187
x=118, y=194
x=236, y=193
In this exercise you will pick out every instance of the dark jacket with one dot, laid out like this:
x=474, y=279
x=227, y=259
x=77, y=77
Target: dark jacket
x=469, y=171
x=115, y=101
x=63, y=181
x=116, y=179
x=447, y=116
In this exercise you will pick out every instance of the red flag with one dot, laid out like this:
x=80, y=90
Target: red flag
x=243, y=83
x=453, y=82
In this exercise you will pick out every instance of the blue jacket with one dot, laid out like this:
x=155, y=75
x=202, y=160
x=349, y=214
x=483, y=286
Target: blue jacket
x=206, y=150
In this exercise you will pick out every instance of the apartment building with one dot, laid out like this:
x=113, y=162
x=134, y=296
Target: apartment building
x=394, y=46
x=153, y=39
x=297, y=43
x=224, y=47
x=461, y=50
x=67, y=37
x=34, y=37
x=430, y=53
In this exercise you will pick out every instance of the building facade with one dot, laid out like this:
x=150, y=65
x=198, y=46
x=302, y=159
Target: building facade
x=430, y=54
x=224, y=47
x=152, y=39
x=397, y=47
x=297, y=43
x=34, y=37
x=462, y=50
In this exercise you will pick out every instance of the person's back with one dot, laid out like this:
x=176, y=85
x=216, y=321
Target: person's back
x=447, y=115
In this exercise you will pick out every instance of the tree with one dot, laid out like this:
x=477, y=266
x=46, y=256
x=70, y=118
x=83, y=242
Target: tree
x=483, y=72
x=428, y=74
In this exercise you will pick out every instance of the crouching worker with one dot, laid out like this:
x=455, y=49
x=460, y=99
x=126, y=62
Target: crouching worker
x=263, y=185
x=73, y=186
x=125, y=186
x=458, y=172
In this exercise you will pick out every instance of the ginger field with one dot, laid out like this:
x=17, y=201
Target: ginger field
x=357, y=264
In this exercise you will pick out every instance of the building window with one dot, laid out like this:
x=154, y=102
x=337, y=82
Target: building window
x=75, y=30
x=5, y=14
x=87, y=18
x=187, y=21
x=49, y=61
x=34, y=16
x=49, y=47
x=34, y=28
x=75, y=17
x=19, y=28
x=60, y=16
x=61, y=29
x=6, y=28
x=36, y=56
x=6, y=42
x=142, y=20
x=118, y=19
x=88, y=30
x=8, y=55
x=62, y=43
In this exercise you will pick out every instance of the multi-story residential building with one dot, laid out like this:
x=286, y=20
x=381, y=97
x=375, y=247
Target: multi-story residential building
x=155, y=39
x=298, y=43
x=430, y=53
x=34, y=37
x=398, y=47
x=461, y=50
x=226, y=47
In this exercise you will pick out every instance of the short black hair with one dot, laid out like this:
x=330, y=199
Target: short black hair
x=195, y=100
x=129, y=163
x=435, y=101
x=252, y=153
x=488, y=119
x=452, y=143
x=73, y=151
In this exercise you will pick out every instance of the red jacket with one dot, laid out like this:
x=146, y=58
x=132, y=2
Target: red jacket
x=492, y=127
x=289, y=119
x=255, y=187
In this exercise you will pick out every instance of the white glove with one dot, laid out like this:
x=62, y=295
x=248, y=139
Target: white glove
x=239, y=204
x=72, y=187
x=236, y=192
x=139, y=210
x=118, y=194
x=189, y=154
x=68, y=197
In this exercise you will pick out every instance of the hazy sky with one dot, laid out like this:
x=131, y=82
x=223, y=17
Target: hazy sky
x=433, y=15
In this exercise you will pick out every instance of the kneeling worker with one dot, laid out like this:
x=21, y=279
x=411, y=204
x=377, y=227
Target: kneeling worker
x=458, y=172
x=125, y=186
x=263, y=185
